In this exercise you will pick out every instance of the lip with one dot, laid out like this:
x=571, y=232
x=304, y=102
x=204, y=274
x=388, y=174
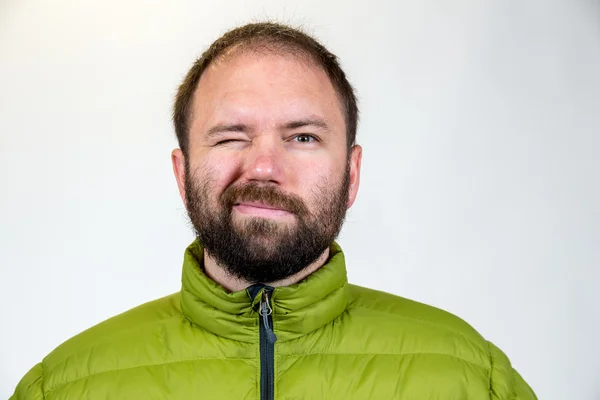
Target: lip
x=259, y=205
x=260, y=210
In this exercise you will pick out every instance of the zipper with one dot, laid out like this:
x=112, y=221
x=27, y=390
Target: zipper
x=267, y=346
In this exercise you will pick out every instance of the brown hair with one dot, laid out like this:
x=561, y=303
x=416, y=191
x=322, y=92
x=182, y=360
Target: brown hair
x=271, y=37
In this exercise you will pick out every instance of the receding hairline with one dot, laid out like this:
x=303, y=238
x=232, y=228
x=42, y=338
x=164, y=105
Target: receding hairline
x=266, y=46
x=261, y=45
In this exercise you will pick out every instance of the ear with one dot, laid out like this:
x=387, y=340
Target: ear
x=178, y=160
x=355, y=161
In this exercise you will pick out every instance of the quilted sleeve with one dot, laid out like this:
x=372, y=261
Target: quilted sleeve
x=522, y=389
x=30, y=387
x=505, y=382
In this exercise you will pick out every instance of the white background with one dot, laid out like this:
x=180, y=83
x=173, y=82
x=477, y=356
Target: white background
x=480, y=186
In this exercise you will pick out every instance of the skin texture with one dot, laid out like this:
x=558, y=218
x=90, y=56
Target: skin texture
x=267, y=150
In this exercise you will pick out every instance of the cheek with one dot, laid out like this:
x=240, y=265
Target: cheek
x=222, y=165
x=315, y=179
x=214, y=173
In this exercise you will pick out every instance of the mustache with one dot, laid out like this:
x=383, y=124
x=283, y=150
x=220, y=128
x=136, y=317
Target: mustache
x=267, y=194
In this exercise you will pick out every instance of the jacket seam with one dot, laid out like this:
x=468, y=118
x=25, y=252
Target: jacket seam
x=108, y=338
x=385, y=354
x=188, y=319
x=203, y=302
x=61, y=385
x=324, y=298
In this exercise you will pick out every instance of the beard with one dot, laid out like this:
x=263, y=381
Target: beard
x=263, y=250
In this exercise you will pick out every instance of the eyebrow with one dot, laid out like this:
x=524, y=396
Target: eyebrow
x=300, y=123
x=222, y=128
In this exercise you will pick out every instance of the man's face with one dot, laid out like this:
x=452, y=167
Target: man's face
x=268, y=180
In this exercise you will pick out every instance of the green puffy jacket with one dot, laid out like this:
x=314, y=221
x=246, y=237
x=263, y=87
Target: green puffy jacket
x=319, y=339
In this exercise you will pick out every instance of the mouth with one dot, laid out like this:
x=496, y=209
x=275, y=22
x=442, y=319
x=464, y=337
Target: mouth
x=260, y=210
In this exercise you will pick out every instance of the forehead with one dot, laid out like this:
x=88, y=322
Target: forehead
x=265, y=87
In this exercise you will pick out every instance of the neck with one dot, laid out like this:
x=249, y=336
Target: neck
x=234, y=284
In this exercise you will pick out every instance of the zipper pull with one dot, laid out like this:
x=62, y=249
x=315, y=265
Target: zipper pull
x=265, y=311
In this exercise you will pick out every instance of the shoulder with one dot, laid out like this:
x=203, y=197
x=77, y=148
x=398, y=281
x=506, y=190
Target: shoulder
x=117, y=343
x=412, y=313
x=30, y=386
x=427, y=342
x=405, y=326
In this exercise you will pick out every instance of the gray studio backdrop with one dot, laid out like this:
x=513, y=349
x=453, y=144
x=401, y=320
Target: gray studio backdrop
x=480, y=187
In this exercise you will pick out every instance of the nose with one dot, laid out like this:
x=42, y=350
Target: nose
x=265, y=160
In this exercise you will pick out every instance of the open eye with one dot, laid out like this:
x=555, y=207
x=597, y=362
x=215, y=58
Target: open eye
x=305, y=138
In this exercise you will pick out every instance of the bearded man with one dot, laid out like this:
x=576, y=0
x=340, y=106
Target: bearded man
x=267, y=167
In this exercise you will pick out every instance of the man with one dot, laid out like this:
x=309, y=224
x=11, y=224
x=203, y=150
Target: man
x=267, y=167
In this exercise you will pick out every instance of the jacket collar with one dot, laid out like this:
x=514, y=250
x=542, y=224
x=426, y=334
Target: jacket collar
x=297, y=309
